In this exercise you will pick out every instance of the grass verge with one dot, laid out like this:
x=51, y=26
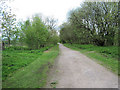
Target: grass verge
x=16, y=57
x=35, y=74
x=106, y=56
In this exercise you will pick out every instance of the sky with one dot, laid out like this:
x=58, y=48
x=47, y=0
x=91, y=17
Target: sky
x=52, y=8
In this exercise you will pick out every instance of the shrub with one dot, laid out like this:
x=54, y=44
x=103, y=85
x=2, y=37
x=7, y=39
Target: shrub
x=17, y=48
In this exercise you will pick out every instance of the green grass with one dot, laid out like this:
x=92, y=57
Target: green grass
x=14, y=58
x=34, y=74
x=106, y=56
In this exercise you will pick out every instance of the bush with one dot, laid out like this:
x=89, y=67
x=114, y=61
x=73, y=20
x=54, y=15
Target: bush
x=17, y=48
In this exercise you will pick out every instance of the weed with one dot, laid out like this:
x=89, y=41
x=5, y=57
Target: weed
x=53, y=84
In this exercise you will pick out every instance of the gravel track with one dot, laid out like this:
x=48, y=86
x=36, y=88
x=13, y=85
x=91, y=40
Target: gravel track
x=75, y=70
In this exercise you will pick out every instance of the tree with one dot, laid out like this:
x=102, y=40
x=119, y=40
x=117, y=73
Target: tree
x=8, y=26
x=8, y=23
x=35, y=33
x=51, y=23
x=93, y=23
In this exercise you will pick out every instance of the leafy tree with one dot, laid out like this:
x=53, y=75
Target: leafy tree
x=93, y=23
x=7, y=22
x=35, y=33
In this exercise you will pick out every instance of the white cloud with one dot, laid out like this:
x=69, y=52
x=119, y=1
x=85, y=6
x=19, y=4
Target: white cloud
x=56, y=8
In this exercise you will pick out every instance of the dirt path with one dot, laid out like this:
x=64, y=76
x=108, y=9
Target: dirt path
x=74, y=70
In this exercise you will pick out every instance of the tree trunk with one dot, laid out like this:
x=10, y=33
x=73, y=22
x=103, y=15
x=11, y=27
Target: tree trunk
x=8, y=41
x=3, y=46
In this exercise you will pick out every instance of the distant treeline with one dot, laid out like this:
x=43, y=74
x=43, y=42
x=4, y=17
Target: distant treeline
x=34, y=33
x=92, y=23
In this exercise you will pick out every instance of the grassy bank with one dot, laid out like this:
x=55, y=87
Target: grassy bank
x=106, y=56
x=27, y=68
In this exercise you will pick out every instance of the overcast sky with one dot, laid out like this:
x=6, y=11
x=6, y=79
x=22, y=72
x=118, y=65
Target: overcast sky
x=54, y=8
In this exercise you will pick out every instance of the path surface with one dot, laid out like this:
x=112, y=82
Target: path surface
x=74, y=70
